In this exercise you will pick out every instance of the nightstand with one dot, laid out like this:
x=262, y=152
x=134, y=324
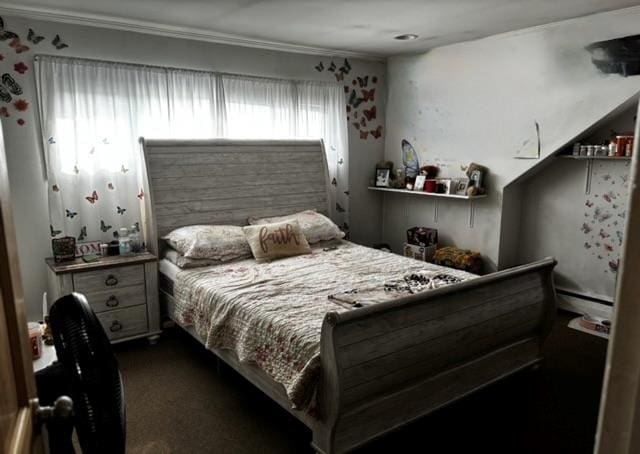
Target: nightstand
x=122, y=290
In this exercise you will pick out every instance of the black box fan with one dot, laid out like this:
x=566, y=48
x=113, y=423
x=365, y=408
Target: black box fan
x=87, y=371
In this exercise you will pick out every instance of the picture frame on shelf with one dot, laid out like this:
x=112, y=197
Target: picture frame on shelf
x=444, y=186
x=460, y=186
x=382, y=179
x=419, y=183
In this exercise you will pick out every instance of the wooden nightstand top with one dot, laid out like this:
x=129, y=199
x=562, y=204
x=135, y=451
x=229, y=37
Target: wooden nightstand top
x=105, y=262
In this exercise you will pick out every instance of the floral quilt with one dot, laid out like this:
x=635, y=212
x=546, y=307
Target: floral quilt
x=272, y=313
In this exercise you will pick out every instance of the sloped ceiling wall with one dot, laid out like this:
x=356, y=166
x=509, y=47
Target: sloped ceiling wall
x=479, y=101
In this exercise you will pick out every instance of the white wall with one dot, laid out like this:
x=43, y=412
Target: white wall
x=28, y=186
x=478, y=101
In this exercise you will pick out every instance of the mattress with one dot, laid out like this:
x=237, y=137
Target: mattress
x=272, y=313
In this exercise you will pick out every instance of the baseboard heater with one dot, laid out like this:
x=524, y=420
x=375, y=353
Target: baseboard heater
x=584, y=303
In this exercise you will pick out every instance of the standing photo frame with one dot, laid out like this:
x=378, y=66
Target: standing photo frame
x=383, y=176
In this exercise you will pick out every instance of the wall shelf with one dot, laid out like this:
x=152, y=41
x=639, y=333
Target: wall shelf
x=589, y=161
x=603, y=158
x=428, y=194
x=436, y=196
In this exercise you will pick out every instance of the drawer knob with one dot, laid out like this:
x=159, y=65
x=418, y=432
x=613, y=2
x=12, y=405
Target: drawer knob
x=111, y=280
x=115, y=326
x=112, y=301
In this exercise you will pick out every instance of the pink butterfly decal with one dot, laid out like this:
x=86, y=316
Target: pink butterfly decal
x=370, y=113
x=18, y=46
x=92, y=198
x=364, y=134
x=377, y=132
x=367, y=95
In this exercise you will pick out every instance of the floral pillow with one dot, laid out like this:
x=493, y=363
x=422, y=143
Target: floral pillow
x=274, y=241
x=217, y=242
x=315, y=226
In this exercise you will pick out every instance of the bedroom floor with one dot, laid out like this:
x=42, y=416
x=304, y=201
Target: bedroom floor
x=177, y=402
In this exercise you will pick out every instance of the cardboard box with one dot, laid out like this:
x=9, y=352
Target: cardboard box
x=424, y=253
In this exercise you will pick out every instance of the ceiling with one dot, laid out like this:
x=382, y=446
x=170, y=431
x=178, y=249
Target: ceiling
x=355, y=27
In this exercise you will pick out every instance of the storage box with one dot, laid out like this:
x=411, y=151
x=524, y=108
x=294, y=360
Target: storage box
x=424, y=253
x=422, y=236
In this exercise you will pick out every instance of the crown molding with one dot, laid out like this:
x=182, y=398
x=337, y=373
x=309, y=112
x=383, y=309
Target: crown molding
x=173, y=31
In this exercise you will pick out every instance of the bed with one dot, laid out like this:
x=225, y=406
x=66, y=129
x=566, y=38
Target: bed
x=370, y=367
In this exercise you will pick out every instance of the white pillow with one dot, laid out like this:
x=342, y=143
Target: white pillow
x=315, y=226
x=217, y=242
x=185, y=263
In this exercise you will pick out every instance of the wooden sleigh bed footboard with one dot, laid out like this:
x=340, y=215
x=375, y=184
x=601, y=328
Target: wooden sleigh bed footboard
x=386, y=365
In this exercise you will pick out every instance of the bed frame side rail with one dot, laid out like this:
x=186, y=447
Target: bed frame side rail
x=386, y=365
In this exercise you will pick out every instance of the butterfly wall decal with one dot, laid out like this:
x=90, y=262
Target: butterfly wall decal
x=346, y=67
x=51, y=140
x=363, y=81
x=53, y=231
x=137, y=226
x=410, y=159
x=9, y=86
x=20, y=67
x=76, y=170
x=141, y=194
x=55, y=188
x=4, y=112
x=120, y=210
x=363, y=122
x=319, y=67
x=339, y=76
x=110, y=186
x=364, y=134
x=339, y=208
x=17, y=45
x=356, y=124
x=93, y=198
x=367, y=95
x=58, y=44
x=32, y=37
x=334, y=182
x=376, y=132
x=104, y=227
x=6, y=34
x=123, y=169
x=83, y=233
x=370, y=114
x=332, y=67
x=71, y=214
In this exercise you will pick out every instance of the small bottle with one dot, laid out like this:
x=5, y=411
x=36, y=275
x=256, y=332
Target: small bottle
x=134, y=237
x=124, y=243
x=612, y=149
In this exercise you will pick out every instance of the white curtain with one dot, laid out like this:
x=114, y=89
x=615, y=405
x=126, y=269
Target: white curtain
x=92, y=115
x=94, y=112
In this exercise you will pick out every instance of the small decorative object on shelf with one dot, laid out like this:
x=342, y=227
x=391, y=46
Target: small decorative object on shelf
x=476, y=174
x=421, y=244
x=620, y=146
x=419, y=184
x=382, y=177
x=64, y=249
x=460, y=186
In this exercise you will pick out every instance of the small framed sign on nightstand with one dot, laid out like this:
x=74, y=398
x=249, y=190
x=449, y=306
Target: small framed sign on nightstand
x=122, y=290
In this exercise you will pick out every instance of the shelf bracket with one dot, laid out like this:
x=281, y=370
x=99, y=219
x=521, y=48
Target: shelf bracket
x=472, y=213
x=587, y=185
x=435, y=211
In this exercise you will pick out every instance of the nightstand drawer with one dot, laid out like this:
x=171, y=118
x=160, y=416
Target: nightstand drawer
x=124, y=322
x=110, y=278
x=116, y=298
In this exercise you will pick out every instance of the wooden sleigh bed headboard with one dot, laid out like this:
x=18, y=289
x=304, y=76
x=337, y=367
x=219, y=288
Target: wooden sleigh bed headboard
x=222, y=181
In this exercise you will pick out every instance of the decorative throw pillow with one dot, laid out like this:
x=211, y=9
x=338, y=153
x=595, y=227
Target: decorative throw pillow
x=185, y=263
x=218, y=242
x=315, y=226
x=272, y=241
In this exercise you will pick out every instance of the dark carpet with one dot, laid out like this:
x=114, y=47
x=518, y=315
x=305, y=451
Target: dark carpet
x=178, y=402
